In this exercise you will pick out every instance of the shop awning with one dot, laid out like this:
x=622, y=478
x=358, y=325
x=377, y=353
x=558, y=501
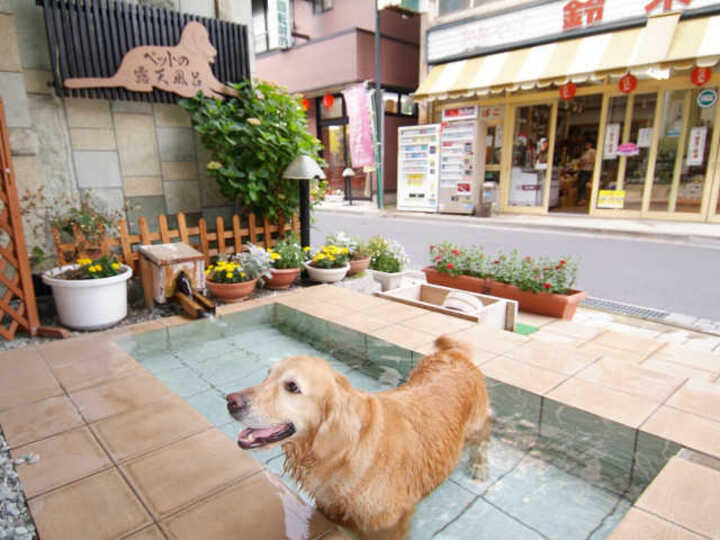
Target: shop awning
x=663, y=42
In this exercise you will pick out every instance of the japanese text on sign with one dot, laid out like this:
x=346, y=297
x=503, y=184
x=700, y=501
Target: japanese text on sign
x=611, y=198
x=577, y=14
x=696, y=146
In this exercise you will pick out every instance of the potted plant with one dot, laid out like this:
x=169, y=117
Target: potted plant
x=387, y=262
x=91, y=294
x=329, y=264
x=286, y=261
x=359, y=251
x=234, y=279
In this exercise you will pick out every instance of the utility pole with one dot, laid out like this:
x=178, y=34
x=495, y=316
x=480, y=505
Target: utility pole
x=379, y=112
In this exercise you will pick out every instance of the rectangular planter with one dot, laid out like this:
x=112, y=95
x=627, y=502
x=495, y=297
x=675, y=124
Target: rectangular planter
x=562, y=306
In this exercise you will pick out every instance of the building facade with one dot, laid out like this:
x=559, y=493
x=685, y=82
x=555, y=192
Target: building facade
x=324, y=46
x=600, y=107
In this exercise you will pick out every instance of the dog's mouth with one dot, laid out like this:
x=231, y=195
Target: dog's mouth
x=256, y=437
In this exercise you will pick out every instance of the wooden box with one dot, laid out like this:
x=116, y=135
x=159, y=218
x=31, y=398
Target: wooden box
x=496, y=312
x=160, y=265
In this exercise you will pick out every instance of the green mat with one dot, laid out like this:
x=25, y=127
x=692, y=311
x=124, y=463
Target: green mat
x=525, y=329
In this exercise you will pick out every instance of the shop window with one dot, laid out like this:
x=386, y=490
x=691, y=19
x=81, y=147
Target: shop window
x=531, y=148
x=390, y=102
x=334, y=111
x=669, y=149
x=407, y=105
x=321, y=6
x=260, y=25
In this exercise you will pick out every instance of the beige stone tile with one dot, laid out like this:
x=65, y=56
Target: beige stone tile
x=268, y=509
x=151, y=533
x=9, y=52
x=142, y=186
x=597, y=399
x=36, y=81
x=437, y=324
x=147, y=428
x=534, y=320
x=554, y=357
x=628, y=342
x=700, y=398
x=25, y=377
x=188, y=471
x=639, y=524
x=572, y=329
x=119, y=395
x=402, y=336
x=88, y=362
x=324, y=310
x=359, y=302
x=689, y=357
x=64, y=458
x=679, y=370
x=634, y=329
x=137, y=144
x=599, y=350
x=88, y=113
x=179, y=170
x=686, y=429
x=139, y=328
x=92, y=139
x=552, y=338
x=491, y=340
x=631, y=378
x=360, y=322
x=395, y=312
x=34, y=421
x=685, y=493
x=525, y=376
x=100, y=507
x=167, y=115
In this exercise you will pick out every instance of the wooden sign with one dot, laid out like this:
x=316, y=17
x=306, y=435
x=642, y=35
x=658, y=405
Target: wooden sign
x=183, y=69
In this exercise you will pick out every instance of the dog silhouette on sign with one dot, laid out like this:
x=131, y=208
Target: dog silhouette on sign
x=183, y=69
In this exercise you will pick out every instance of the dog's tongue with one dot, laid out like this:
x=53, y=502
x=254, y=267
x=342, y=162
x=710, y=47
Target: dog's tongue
x=251, y=434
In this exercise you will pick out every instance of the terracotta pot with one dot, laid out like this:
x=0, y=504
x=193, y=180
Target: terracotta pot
x=281, y=278
x=467, y=283
x=231, y=292
x=359, y=265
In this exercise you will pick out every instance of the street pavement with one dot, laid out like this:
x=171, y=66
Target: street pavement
x=675, y=275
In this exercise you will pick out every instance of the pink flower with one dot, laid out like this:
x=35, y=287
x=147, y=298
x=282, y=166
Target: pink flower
x=547, y=285
x=528, y=258
x=438, y=257
x=450, y=266
x=455, y=252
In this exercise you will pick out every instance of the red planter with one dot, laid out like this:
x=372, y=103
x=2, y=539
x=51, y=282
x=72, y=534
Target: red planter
x=562, y=306
x=281, y=278
x=231, y=292
x=359, y=265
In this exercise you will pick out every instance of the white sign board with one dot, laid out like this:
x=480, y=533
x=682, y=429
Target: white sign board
x=612, y=140
x=696, y=146
x=545, y=21
x=644, y=137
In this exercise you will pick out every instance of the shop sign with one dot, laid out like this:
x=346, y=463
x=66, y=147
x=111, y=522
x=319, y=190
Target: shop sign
x=611, y=198
x=460, y=113
x=700, y=75
x=627, y=84
x=543, y=22
x=645, y=137
x=491, y=113
x=567, y=91
x=707, y=98
x=696, y=146
x=357, y=103
x=628, y=149
x=612, y=140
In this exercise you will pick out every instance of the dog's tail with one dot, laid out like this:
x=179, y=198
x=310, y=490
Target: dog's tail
x=446, y=342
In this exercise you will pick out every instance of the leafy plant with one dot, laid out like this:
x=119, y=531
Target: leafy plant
x=287, y=253
x=362, y=250
x=330, y=257
x=102, y=267
x=386, y=255
x=253, y=138
x=254, y=263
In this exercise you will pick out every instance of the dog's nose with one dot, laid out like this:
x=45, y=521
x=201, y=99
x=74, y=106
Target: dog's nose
x=236, y=403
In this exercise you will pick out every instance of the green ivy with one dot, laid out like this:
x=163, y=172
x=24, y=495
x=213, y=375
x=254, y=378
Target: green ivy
x=253, y=138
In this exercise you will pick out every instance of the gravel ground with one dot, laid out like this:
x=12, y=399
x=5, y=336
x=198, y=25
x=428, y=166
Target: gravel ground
x=15, y=520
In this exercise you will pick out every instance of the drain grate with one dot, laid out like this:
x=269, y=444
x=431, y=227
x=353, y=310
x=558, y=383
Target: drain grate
x=626, y=309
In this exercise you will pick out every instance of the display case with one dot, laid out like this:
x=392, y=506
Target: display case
x=418, y=160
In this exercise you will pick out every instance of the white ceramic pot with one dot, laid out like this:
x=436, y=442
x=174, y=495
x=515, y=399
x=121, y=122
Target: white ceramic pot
x=327, y=275
x=89, y=304
x=388, y=280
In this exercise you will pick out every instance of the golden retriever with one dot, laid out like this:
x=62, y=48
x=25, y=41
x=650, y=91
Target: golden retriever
x=369, y=458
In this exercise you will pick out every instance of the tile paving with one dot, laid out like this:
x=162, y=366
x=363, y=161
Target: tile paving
x=660, y=383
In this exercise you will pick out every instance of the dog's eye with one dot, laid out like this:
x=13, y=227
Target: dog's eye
x=291, y=387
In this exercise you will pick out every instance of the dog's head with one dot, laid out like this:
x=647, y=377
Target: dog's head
x=293, y=402
x=195, y=37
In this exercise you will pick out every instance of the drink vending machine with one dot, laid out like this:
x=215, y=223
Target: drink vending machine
x=418, y=166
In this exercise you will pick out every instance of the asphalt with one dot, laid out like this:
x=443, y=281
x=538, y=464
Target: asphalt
x=674, y=273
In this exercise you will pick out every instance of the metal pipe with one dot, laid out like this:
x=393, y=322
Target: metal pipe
x=379, y=113
x=305, y=212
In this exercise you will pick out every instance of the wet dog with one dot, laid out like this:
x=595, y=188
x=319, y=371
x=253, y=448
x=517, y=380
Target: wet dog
x=369, y=458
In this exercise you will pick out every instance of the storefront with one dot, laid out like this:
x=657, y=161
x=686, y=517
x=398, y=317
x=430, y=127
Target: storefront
x=618, y=123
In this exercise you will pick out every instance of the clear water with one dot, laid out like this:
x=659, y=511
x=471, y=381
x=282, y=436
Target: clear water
x=549, y=486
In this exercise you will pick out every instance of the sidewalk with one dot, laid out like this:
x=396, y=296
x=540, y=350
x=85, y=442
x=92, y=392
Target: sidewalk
x=655, y=229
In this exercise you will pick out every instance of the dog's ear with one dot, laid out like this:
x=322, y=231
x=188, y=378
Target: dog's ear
x=340, y=425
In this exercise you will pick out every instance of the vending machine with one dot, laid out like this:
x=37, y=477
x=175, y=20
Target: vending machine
x=461, y=161
x=417, y=172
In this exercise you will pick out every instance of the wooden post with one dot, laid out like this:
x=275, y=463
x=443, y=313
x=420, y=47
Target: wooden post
x=236, y=234
x=125, y=243
x=267, y=236
x=182, y=228
x=252, y=229
x=163, y=226
x=59, y=252
x=220, y=227
x=144, y=233
x=202, y=225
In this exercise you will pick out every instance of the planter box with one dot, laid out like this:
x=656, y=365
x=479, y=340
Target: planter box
x=388, y=280
x=495, y=312
x=562, y=306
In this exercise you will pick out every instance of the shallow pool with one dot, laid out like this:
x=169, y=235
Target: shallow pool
x=554, y=471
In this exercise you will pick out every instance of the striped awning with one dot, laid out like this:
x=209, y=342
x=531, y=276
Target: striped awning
x=663, y=42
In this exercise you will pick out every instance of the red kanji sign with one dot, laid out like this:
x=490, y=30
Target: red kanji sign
x=667, y=4
x=577, y=14
x=627, y=84
x=567, y=91
x=700, y=75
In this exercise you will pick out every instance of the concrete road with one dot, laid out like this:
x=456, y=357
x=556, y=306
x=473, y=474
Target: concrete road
x=678, y=276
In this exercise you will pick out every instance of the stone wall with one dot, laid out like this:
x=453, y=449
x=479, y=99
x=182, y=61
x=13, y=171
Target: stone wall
x=144, y=157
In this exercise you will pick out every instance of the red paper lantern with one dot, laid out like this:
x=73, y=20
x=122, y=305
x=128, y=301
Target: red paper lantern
x=700, y=75
x=567, y=91
x=627, y=84
x=305, y=103
x=328, y=100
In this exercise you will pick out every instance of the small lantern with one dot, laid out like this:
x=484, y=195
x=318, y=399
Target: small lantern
x=305, y=103
x=328, y=101
x=700, y=75
x=627, y=84
x=567, y=91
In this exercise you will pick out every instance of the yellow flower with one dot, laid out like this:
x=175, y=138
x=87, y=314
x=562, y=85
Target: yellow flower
x=207, y=271
x=332, y=258
x=345, y=250
x=115, y=265
x=214, y=165
x=228, y=275
x=91, y=268
x=275, y=256
x=253, y=121
x=306, y=248
x=84, y=261
x=242, y=274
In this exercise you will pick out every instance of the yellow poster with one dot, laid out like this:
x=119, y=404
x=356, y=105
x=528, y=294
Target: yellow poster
x=608, y=198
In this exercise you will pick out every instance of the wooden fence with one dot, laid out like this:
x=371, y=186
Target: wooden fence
x=223, y=240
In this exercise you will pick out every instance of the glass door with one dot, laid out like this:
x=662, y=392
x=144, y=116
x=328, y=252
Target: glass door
x=532, y=157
